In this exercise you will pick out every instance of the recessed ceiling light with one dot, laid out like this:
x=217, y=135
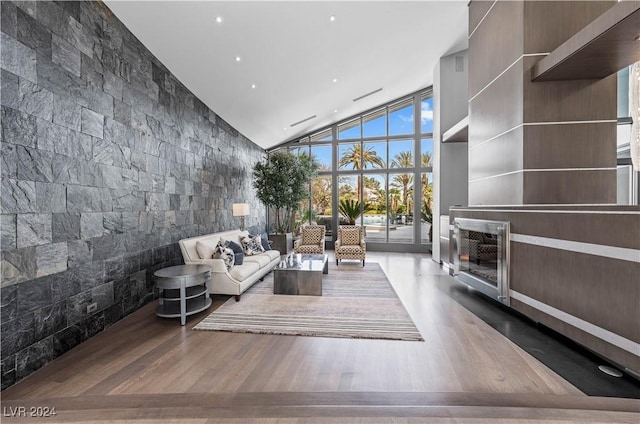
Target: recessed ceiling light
x=335, y=110
x=335, y=80
x=238, y=58
x=284, y=128
x=332, y=18
x=253, y=86
x=219, y=19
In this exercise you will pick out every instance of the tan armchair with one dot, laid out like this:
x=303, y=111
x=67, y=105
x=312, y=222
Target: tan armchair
x=311, y=240
x=350, y=243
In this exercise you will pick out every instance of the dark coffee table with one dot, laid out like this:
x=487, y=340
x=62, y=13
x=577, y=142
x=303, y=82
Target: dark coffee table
x=300, y=274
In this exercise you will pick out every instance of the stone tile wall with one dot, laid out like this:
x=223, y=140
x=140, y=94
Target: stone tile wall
x=107, y=161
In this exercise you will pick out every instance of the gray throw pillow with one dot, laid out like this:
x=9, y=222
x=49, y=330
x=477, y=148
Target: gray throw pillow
x=237, y=252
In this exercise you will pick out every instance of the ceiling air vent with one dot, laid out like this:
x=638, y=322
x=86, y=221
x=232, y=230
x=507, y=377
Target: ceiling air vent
x=367, y=95
x=304, y=120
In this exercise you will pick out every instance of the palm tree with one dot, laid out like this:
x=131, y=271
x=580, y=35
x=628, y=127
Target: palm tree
x=360, y=159
x=403, y=181
x=426, y=160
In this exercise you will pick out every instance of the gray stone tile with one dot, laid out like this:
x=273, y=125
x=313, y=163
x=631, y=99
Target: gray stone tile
x=9, y=303
x=92, y=123
x=51, y=197
x=50, y=320
x=51, y=258
x=8, y=232
x=8, y=19
x=65, y=55
x=89, y=275
x=128, y=201
x=32, y=34
x=103, y=295
x=122, y=112
x=10, y=89
x=88, y=199
x=80, y=253
x=67, y=339
x=65, y=227
x=35, y=100
x=34, y=294
x=50, y=135
x=17, y=58
x=33, y=229
x=18, y=265
x=34, y=357
x=91, y=225
x=34, y=165
x=105, y=246
x=17, y=334
x=78, y=37
x=113, y=85
x=67, y=112
x=77, y=307
x=18, y=127
x=112, y=222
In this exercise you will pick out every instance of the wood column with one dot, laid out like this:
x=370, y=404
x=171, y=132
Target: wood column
x=536, y=142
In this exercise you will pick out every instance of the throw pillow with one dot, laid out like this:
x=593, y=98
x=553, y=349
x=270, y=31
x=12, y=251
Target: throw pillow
x=266, y=244
x=237, y=252
x=252, y=245
x=225, y=253
x=205, y=250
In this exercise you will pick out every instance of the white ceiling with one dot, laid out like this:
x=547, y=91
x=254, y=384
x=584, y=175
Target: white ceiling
x=292, y=51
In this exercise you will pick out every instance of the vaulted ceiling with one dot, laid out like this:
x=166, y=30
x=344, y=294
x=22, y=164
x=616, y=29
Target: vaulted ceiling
x=265, y=65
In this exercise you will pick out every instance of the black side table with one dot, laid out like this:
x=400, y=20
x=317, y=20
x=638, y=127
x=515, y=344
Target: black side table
x=184, y=290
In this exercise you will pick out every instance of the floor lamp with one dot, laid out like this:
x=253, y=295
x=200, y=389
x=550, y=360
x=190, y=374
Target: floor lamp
x=241, y=210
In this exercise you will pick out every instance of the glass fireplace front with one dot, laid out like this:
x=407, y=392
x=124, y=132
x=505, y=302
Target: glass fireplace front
x=481, y=256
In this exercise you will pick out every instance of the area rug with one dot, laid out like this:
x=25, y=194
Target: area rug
x=356, y=302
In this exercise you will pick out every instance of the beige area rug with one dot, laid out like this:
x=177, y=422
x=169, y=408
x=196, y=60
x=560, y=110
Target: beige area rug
x=356, y=302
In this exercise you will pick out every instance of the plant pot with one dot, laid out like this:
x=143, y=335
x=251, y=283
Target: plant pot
x=282, y=242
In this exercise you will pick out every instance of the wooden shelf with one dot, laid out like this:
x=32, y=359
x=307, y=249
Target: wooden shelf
x=457, y=133
x=600, y=49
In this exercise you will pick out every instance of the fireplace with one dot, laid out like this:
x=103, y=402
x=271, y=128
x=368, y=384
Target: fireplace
x=481, y=256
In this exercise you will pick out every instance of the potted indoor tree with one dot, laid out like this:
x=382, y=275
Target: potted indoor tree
x=281, y=183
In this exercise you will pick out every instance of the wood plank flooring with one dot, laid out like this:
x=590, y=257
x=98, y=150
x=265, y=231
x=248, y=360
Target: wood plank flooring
x=149, y=368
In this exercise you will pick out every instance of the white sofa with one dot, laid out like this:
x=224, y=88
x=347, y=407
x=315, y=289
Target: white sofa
x=240, y=277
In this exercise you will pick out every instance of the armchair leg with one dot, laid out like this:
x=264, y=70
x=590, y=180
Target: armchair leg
x=363, y=262
x=238, y=297
x=337, y=262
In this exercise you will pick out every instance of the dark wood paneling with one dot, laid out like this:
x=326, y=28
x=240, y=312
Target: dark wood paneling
x=595, y=344
x=586, y=286
x=570, y=146
x=620, y=230
x=498, y=108
x=558, y=101
x=572, y=187
x=498, y=156
x=477, y=10
x=603, y=47
x=495, y=45
x=548, y=24
x=502, y=190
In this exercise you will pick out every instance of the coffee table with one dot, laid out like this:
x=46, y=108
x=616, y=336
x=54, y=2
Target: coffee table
x=300, y=274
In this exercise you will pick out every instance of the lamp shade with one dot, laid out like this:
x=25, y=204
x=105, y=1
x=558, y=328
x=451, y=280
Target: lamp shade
x=240, y=209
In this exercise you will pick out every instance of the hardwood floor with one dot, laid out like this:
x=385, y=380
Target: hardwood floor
x=148, y=368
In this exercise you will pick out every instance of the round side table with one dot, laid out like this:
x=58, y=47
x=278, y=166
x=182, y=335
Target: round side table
x=184, y=290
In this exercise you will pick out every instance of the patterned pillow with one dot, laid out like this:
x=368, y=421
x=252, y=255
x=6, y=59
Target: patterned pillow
x=252, y=245
x=311, y=235
x=350, y=236
x=225, y=253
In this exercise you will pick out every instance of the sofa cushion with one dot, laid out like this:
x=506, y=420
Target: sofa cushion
x=205, y=249
x=244, y=271
x=237, y=252
x=262, y=260
x=252, y=245
x=272, y=254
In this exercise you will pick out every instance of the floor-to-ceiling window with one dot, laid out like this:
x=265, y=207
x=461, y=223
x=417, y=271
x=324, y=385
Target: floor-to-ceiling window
x=375, y=170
